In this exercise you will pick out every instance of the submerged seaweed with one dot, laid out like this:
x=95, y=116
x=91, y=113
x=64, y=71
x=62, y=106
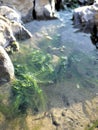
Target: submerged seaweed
x=93, y=126
x=26, y=88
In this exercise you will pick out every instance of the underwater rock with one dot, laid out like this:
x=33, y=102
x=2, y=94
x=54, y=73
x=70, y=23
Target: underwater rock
x=6, y=67
x=76, y=117
x=55, y=50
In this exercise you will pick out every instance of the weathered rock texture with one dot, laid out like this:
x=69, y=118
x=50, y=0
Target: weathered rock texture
x=23, y=6
x=6, y=34
x=76, y=117
x=37, y=9
x=44, y=8
x=10, y=14
x=6, y=67
x=86, y=2
x=10, y=30
x=86, y=16
x=11, y=27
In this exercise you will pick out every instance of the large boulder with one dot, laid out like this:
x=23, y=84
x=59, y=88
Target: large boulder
x=10, y=14
x=6, y=34
x=23, y=6
x=11, y=28
x=6, y=67
x=86, y=19
x=29, y=8
x=44, y=8
x=86, y=16
x=20, y=32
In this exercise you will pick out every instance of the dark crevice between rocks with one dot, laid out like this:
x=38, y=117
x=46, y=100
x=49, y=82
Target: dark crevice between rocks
x=58, y=4
x=54, y=121
x=94, y=36
x=34, y=11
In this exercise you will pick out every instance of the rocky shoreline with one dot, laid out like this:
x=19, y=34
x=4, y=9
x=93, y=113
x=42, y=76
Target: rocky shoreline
x=81, y=115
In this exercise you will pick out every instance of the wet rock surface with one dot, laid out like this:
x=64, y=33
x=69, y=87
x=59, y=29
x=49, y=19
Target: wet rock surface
x=76, y=117
x=86, y=16
x=6, y=67
x=11, y=30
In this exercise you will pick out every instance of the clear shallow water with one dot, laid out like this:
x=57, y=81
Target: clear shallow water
x=81, y=79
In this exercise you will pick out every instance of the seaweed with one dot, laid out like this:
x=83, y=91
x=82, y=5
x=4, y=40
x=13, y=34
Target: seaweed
x=43, y=68
x=93, y=126
x=25, y=92
x=37, y=71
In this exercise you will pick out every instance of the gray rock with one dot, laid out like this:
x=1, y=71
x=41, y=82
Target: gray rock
x=20, y=32
x=11, y=28
x=10, y=14
x=7, y=37
x=37, y=9
x=86, y=2
x=6, y=67
x=22, y=6
x=86, y=16
x=45, y=9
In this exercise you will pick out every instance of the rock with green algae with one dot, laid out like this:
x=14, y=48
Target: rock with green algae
x=75, y=117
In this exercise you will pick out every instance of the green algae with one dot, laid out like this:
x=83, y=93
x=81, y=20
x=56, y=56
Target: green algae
x=93, y=126
x=35, y=71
